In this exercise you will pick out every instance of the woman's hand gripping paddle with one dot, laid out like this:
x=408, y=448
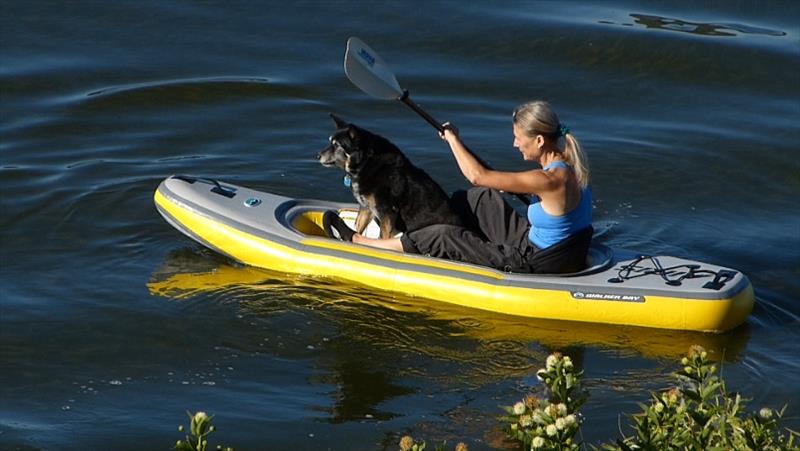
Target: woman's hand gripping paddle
x=367, y=70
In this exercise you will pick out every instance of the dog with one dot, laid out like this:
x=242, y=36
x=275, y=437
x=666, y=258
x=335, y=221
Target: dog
x=386, y=185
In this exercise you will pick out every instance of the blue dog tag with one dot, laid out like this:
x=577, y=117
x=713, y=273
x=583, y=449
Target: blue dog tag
x=347, y=182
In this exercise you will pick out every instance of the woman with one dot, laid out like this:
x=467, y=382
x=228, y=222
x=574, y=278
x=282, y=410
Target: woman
x=555, y=236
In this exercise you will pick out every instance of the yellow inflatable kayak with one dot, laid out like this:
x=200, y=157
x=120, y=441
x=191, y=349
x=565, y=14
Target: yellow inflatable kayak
x=618, y=287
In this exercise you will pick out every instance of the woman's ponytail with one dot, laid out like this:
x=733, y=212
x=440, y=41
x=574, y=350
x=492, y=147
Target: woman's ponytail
x=574, y=155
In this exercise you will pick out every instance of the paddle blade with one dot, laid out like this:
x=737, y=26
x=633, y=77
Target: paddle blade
x=368, y=72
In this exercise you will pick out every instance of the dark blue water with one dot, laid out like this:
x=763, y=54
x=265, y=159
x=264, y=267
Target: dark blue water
x=112, y=324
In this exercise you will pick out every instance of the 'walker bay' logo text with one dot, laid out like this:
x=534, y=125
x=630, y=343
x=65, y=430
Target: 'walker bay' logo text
x=606, y=297
x=369, y=59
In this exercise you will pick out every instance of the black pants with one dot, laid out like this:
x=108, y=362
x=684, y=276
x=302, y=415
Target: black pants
x=496, y=235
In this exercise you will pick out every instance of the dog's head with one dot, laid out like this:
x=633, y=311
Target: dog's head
x=346, y=149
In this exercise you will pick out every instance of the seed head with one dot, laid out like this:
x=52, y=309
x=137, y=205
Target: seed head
x=525, y=421
x=531, y=402
x=406, y=443
x=697, y=351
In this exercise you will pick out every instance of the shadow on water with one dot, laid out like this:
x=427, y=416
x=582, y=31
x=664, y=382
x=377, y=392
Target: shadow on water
x=700, y=28
x=697, y=28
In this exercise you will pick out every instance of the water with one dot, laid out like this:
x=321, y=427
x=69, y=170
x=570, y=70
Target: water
x=112, y=324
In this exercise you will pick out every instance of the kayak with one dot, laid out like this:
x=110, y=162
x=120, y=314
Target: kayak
x=275, y=232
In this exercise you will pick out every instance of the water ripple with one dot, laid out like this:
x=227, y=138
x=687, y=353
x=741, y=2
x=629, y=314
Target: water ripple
x=184, y=92
x=186, y=85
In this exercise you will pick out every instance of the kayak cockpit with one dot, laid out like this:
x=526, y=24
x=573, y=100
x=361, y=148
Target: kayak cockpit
x=309, y=222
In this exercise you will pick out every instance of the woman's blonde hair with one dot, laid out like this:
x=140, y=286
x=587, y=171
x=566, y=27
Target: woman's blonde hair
x=538, y=118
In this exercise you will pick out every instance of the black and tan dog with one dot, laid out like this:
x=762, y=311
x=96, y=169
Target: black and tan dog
x=401, y=196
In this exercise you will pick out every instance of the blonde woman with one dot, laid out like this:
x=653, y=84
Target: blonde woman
x=555, y=234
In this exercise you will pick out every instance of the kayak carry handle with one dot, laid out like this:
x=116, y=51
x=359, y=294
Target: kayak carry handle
x=217, y=189
x=724, y=276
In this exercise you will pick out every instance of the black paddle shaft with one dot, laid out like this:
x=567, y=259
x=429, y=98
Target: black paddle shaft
x=406, y=99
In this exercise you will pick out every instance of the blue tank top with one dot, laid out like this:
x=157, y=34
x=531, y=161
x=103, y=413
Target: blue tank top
x=546, y=229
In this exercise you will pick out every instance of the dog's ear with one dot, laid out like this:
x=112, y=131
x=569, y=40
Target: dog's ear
x=352, y=132
x=340, y=123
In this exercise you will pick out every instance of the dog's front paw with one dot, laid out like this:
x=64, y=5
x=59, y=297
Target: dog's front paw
x=334, y=227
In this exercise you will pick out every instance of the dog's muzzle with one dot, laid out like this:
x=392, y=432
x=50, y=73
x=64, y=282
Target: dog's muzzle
x=326, y=160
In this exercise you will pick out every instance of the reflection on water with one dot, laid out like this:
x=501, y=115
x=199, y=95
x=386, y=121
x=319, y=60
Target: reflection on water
x=369, y=346
x=699, y=28
x=358, y=391
x=378, y=319
x=503, y=340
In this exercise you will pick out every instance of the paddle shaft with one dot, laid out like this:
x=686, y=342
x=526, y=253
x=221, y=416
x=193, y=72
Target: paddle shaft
x=406, y=99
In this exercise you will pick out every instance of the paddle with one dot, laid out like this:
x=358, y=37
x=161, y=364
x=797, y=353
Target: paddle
x=367, y=70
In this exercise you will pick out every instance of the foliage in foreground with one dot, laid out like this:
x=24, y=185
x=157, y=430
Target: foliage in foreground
x=200, y=428
x=407, y=443
x=549, y=423
x=697, y=414
x=700, y=413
